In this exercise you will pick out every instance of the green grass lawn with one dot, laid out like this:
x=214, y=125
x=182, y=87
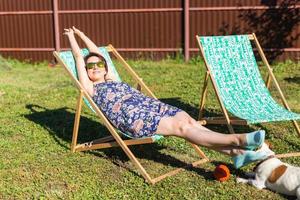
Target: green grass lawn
x=37, y=105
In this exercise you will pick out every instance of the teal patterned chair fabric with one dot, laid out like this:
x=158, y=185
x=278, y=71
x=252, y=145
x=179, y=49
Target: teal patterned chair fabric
x=68, y=59
x=232, y=64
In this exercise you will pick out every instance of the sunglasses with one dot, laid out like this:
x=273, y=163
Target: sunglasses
x=100, y=64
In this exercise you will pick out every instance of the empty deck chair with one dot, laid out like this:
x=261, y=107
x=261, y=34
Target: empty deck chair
x=239, y=87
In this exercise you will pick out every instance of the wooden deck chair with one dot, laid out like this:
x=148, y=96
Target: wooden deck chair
x=239, y=87
x=66, y=59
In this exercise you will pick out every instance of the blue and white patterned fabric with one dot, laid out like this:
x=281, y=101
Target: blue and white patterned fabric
x=233, y=66
x=129, y=110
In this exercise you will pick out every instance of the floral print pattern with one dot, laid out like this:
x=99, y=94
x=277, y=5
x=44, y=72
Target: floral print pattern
x=129, y=110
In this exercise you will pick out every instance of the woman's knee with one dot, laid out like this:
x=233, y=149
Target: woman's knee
x=183, y=126
x=178, y=125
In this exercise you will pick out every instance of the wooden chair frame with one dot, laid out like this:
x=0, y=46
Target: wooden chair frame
x=106, y=142
x=229, y=121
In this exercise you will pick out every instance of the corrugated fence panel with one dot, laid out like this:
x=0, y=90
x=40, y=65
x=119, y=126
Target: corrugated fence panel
x=217, y=23
x=224, y=3
x=31, y=56
x=276, y=23
x=25, y=5
x=26, y=31
x=143, y=27
x=118, y=4
x=129, y=30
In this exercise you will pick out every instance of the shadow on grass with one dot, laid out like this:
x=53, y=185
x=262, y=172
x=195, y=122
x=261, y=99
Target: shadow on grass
x=191, y=110
x=291, y=143
x=59, y=123
x=293, y=80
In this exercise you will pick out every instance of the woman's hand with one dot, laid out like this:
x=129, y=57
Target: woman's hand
x=68, y=32
x=77, y=31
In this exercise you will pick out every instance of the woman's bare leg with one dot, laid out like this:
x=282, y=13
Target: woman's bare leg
x=182, y=125
x=230, y=150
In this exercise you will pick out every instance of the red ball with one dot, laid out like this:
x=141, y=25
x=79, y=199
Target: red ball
x=222, y=173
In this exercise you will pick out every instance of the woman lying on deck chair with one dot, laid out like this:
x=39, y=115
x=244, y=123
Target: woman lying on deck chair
x=131, y=111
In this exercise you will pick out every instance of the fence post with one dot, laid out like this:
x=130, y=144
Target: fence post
x=56, y=25
x=186, y=11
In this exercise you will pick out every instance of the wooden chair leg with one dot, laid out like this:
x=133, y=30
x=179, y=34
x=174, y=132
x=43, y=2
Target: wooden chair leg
x=203, y=96
x=199, y=151
x=176, y=171
x=76, y=122
x=268, y=81
x=95, y=144
x=130, y=155
x=297, y=127
x=104, y=139
x=287, y=155
x=91, y=146
x=262, y=55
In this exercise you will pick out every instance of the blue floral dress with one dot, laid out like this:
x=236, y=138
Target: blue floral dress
x=129, y=110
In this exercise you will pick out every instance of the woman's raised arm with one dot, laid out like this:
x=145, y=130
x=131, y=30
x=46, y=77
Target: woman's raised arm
x=88, y=42
x=92, y=47
x=80, y=65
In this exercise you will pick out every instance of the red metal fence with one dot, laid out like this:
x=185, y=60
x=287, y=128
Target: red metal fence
x=31, y=29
